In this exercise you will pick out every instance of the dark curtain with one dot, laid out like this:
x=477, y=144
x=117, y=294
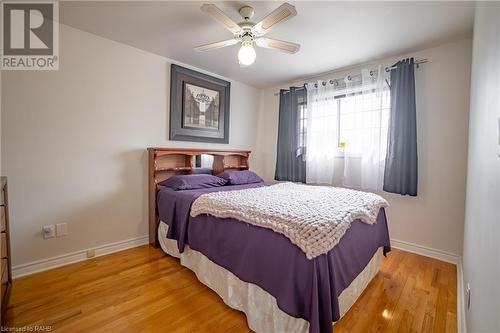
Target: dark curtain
x=401, y=171
x=289, y=162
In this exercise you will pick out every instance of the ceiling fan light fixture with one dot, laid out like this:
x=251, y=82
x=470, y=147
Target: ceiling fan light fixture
x=246, y=54
x=247, y=32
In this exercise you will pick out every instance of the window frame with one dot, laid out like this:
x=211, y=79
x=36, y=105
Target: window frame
x=302, y=126
x=339, y=147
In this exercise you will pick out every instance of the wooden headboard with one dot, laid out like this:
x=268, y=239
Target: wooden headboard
x=167, y=162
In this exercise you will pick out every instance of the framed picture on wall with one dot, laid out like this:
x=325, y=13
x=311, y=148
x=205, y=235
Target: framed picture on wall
x=199, y=106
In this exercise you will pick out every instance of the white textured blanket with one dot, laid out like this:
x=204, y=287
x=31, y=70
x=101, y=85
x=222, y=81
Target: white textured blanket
x=313, y=217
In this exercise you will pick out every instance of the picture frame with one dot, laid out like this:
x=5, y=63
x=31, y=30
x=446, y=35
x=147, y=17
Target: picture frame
x=199, y=106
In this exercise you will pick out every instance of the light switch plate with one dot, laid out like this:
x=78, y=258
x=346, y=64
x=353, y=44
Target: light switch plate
x=48, y=231
x=61, y=229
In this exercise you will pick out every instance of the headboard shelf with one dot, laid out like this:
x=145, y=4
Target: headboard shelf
x=243, y=167
x=174, y=169
x=194, y=152
x=167, y=162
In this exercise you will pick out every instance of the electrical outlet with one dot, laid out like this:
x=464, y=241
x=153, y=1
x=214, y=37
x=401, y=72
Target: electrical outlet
x=49, y=231
x=61, y=229
x=91, y=253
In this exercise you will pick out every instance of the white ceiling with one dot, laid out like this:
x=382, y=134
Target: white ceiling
x=332, y=34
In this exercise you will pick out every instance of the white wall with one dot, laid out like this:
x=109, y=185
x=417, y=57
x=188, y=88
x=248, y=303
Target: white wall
x=482, y=219
x=74, y=142
x=435, y=218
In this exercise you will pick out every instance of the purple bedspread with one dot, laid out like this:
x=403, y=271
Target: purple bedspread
x=303, y=288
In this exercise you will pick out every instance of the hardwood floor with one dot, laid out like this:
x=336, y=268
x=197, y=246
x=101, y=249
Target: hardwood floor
x=142, y=290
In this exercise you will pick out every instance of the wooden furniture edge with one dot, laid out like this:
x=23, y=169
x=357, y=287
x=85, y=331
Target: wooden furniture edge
x=5, y=292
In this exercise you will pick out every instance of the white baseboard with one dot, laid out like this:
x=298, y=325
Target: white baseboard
x=73, y=257
x=426, y=251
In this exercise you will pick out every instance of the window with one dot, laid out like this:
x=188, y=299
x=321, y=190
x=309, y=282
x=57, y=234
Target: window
x=362, y=113
x=351, y=114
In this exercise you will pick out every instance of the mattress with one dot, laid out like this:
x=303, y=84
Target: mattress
x=260, y=307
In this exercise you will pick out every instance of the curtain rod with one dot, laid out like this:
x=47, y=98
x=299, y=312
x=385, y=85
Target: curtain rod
x=417, y=63
x=387, y=69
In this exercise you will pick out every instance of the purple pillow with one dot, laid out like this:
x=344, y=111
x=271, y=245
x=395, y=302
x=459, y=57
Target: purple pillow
x=192, y=182
x=234, y=177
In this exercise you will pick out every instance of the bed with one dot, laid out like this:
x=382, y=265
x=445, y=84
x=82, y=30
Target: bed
x=254, y=269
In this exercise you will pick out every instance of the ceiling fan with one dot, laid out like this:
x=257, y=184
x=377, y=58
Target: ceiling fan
x=247, y=32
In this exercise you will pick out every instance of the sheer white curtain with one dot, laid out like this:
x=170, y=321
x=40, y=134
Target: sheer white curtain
x=321, y=135
x=367, y=105
x=347, y=124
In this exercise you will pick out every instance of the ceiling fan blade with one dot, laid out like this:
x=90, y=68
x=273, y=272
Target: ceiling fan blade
x=280, y=14
x=276, y=44
x=221, y=17
x=216, y=45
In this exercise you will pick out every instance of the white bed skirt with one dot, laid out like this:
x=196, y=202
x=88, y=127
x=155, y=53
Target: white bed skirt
x=261, y=309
